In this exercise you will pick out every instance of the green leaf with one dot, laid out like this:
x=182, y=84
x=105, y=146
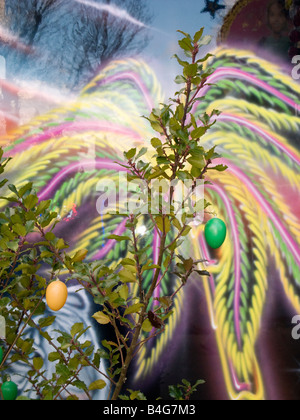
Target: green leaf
x=99, y=384
x=123, y=292
x=220, y=168
x=130, y=154
x=198, y=132
x=179, y=113
x=186, y=231
x=203, y=273
x=196, y=162
x=163, y=224
x=19, y=229
x=30, y=201
x=196, y=172
x=2, y=183
x=53, y=356
x=46, y=222
x=62, y=369
x=190, y=70
x=156, y=143
x=175, y=392
x=162, y=160
x=4, y=302
x=211, y=154
x=38, y=363
x=186, y=383
x=188, y=264
x=61, y=244
x=133, y=308
x=186, y=44
x=119, y=238
x=13, y=245
x=165, y=301
x=183, y=33
x=76, y=328
x=198, y=35
x=101, y=318
x=147, y=326
x=157, y=127
x=127, y=261
x=199, y=382
x=205, y=40
x=13, y=189
x=177, y=224
x=48, y=396
x=174, y=124
x=42, y=206
x=142, y=152
x=80, y=255
x=179, y=80
x=29, y=226
x=181, y=62
x=49, y=236
x=10, y=199
x=127, y=276
x=25, y=188
x=79, y=384
x=46, y=322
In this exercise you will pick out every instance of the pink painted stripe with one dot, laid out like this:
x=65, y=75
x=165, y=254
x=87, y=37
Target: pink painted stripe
x=225, y=72
x=78, y=126
x=292, y=245
x=136, y=79
x=267, y=136
x=98, y=163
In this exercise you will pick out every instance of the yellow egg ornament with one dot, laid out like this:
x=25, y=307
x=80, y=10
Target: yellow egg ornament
x=56, y=295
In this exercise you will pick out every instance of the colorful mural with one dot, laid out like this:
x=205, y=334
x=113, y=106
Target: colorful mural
x=224, y=334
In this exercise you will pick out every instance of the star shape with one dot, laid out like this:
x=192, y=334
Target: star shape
x=212, y=7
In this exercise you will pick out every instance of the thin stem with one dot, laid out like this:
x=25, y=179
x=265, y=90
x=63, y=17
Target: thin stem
x=20, y=332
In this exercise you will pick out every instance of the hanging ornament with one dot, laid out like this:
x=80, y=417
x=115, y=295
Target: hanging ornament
x=9, y=390
x=56, y=295
x=215, y=232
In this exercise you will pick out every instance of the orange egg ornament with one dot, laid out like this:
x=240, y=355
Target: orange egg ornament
x=56, y=295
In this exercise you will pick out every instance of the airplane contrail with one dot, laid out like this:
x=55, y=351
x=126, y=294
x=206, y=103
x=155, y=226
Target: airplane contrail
x=113, y=10
x=122, y=14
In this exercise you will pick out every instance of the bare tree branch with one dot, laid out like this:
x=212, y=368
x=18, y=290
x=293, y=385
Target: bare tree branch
x=72, y=39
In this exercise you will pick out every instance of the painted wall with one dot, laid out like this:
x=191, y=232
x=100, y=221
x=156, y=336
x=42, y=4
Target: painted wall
x=233, y=329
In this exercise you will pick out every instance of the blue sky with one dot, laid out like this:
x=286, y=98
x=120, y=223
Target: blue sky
x=169, y=16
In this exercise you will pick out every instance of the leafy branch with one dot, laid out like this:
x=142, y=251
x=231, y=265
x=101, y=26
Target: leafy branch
x=32, y=256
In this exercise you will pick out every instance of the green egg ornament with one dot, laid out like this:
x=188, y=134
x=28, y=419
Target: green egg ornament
x=1, y=354
x=9, y=391
x=215, y=232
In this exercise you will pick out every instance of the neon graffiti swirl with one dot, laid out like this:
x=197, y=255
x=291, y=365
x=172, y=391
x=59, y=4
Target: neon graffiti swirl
x=67, y=151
